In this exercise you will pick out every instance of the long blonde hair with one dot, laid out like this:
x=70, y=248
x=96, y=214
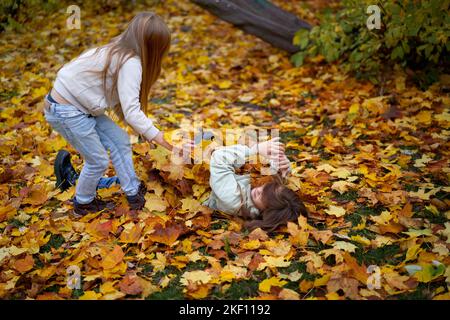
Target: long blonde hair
x=146, y=36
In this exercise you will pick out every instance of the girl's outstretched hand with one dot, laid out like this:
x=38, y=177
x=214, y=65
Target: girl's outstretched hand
x=159, y=139
x=186, y=149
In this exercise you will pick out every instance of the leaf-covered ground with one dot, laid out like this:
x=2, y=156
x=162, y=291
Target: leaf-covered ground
x=373, y=171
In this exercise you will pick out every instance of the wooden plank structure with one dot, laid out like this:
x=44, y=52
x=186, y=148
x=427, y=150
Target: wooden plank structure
x=260, y=18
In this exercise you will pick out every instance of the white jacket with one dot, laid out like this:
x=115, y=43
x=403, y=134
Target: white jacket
x=82, y=88
x=230, y=191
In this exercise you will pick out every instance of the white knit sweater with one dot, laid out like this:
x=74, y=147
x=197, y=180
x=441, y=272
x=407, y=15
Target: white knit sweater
x=83, y=88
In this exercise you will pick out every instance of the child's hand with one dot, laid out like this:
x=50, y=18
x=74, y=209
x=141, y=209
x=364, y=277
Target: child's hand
x=186, y=149
x=281, y=163
x=270, y=148
x=284, y=166
x=159, y=139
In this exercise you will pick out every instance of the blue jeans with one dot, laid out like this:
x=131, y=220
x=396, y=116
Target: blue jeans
x=92, y=137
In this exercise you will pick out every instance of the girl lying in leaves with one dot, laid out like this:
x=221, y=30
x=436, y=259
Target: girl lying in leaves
x=267, y=206
x=118, y=74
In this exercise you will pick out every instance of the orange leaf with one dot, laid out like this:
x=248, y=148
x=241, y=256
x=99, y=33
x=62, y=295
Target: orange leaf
x=49, y=296
x=132, y=235
x=392, y=227
x=25, y=264
x=355, y=270
x=167, y=235
x=7, y=212
x=98, y=229
x=36, y=196
x=406, y=211
x=203, y=221
x=200, y=291
x=323, y=235
x=113, y=258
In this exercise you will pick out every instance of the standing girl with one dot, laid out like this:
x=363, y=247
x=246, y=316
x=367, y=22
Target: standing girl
x=118, y=75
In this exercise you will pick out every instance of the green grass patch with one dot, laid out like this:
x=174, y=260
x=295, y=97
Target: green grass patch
x=363, y=233
x=220, y=224
x=238, y=290
x=350, y=195
x=388, y=254
x=56, y=241
x=172, y=292
x=438, y=218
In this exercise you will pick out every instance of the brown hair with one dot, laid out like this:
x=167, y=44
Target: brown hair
x=148, y=37
x=281, y=205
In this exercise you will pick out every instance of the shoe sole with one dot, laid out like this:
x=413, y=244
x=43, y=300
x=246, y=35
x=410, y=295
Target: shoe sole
x=84, y=213
x=59, y=161
x=75, y=215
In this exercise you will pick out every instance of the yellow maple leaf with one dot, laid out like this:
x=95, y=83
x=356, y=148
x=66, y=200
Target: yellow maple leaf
x=342, y=186
x=274, y=262
x=346, y=246
x=200, y=293
x=322, y=280
x=335, y=211
x=66, y=195
x=424, y=116
x=326, y=167
x=412, y=252
x=190, y=204
x=90, y=295
x=341, y=173
x=155, y=203
x=197, y=276
x=252, y=244
x=225, y=84
x=267, y=284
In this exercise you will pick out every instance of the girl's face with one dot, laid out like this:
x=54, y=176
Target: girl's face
x=256, y=194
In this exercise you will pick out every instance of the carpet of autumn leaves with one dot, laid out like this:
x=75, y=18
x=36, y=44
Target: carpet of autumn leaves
x=371, y=166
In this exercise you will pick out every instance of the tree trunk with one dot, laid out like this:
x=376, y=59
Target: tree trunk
x=260, y=18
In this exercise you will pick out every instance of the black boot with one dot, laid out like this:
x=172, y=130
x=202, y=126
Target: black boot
x=66, y=176
x=95, y=205
x=137, y=202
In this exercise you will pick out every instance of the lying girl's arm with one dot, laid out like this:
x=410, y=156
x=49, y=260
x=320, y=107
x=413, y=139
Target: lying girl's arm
x=224, y=162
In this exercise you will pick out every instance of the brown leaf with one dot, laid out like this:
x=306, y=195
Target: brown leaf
x=258, y=234
x=130, y=284
x=392, y=113
x=184, y=186
x=348, y=285
x=216, y=244
x=256, y=260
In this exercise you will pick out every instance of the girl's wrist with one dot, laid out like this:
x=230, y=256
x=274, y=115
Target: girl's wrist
x=159, y=139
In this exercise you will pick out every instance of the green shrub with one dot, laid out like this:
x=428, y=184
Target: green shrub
x=413, y=34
